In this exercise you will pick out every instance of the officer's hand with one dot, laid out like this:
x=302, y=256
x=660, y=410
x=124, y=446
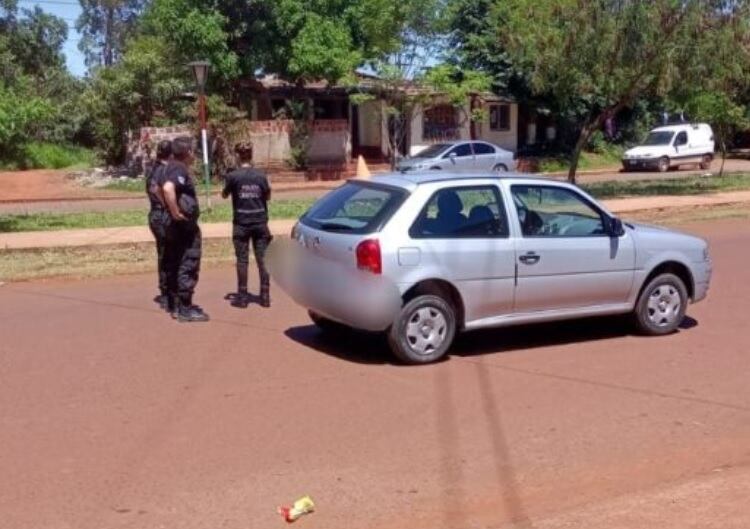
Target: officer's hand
x=179, y=216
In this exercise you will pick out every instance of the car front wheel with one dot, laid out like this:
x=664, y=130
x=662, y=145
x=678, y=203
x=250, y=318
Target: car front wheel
x=500, y=168
x=423, y=331
x=661, y=306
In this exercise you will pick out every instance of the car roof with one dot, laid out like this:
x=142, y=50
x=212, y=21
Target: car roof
x=457, y=142
x=681, y=126
x=412, y=180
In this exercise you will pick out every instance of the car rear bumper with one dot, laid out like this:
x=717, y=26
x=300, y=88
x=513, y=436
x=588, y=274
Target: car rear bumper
x=334, y=290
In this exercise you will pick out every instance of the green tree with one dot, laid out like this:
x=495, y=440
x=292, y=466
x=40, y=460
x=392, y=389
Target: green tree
x=105, y=26
x=403, y=98
x=296, y=39
x=196, y=30
x=22, y=117
x=474, y=44
x=723, y=113
x=459, y=86
x=604, y=54
x=38, y=96
x=31, y=39
x=133, y=93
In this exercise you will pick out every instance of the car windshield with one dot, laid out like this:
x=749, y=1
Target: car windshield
x=662, y=137
x=355, y=207
x=432, y=151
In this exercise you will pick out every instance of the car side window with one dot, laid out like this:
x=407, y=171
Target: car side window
x=550, y=211
x=475, y=212
x=483, y=148
x=461, y=151
x=681, y=139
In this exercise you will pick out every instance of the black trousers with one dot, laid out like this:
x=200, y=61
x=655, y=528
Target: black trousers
x=242, y=236
x=157, y=222
x=183, y=259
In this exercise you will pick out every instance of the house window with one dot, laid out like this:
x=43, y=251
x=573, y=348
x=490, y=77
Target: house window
x=331, y=108
x=278, y=106
x=439, y=123
x=500, y=117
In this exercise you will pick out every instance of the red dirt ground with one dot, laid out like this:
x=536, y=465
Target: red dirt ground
x=33, y=186
x=114, y=416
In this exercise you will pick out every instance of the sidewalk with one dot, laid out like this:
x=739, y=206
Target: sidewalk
x=141, y=234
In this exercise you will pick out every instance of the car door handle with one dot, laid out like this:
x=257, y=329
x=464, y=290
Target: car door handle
x=530, y=258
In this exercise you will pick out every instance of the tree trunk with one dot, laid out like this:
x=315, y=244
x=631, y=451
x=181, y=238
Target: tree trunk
x=723, y=155
x=109, y=37
x=586, y=131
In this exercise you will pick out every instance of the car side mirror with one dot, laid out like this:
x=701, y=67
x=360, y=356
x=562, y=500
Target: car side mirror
x=452, y=156
x=616, y=228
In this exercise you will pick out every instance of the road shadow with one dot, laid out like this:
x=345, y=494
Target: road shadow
x=353, y=346
x=372, y=348
x=509, y=339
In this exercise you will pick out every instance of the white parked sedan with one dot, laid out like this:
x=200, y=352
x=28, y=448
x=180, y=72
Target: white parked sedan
x=422, y=256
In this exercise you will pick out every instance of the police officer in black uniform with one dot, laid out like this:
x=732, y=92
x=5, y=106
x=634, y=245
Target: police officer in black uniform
x=250, y=192
x=158, y=217
x=183, y=249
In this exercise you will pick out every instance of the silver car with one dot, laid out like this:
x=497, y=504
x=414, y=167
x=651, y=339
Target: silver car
x=422, y=256
x=460, y=157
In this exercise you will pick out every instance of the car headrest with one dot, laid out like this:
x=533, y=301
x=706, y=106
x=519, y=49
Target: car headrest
x=449, y=203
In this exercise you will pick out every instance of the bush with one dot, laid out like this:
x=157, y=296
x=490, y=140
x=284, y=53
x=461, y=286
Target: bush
x=50, y=156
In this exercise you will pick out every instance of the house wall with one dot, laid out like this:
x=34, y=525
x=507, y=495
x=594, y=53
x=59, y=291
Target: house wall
x=370, y=124
x=270, y=140
x=330, y=140
x=507, y=139
x=414, y=134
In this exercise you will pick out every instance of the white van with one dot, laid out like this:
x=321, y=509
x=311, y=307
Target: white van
x=672, y=146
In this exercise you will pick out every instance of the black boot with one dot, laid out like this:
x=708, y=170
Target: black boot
x=241, y=299
x=265, y=297
x=191, y=313
x=172, y=305
x=162, y=300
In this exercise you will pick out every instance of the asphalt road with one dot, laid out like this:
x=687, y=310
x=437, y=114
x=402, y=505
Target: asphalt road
x=114, y=416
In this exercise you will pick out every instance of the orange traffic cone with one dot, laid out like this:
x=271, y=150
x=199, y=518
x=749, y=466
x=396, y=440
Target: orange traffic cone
x=362, y=170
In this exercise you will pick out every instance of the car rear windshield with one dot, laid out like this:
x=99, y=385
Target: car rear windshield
x=432, y=151
x=355, y=207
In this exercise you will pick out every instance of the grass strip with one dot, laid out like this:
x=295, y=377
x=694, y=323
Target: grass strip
x=102, y=261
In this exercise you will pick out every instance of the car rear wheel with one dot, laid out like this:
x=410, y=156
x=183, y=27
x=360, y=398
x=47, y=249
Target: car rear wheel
x=325, y=325
x=423, y=331
x=706, y=162
x=500, y=168
x=663, y=165
x=661, y=305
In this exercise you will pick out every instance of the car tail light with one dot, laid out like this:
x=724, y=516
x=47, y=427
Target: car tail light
x=368, y=256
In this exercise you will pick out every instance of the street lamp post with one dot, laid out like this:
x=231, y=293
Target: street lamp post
x=200, y=71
